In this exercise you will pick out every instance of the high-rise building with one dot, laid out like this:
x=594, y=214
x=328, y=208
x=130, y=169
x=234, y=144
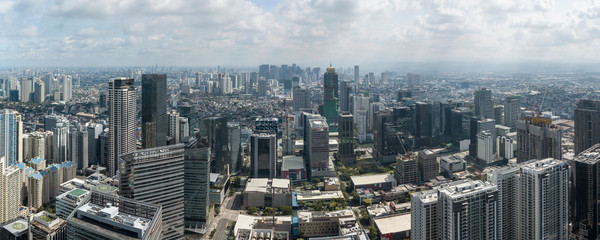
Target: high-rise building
x=407, y=169
x=330, y=98
x=538, y=138
x=413, y=80
x=173, y=131
x=266, y=125
x=26, y=89
x=301, y=98
x=196, y=187
x=317, y=144
x=60, y=143
x=584, y=200
x=156, y=176
x=428, y=165
x=67, y=88
x=477, y=125
x=484, y=106
x=214, y=134
x=263, y=87
x=234, y=133
x=122, y=121
x=424, y=215
x=505, y=147
x=345, y=91
x=512, y=109
x=104, y=216
x=263, y=71
x=288, y=134
x=544, y=193
x=356, y=76
x=39, y=95
x=11, y=136
x=346, y=137
x=499, y=114
x=587, y=124
x=184, y=128
x=485, y=147
x=263, y=156
x=79, y=148
x=467, y=209
x=10, y=194
x=154, y=110
x=94, y=130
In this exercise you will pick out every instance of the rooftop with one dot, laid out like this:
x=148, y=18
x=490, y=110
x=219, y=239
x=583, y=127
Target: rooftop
x=590, y=155
x=429, y=196
x=393, y=224
x=372, y=179
x=292, y=162
x=110, y=215
x=318, y=195
x=17, y=228
x=265, y=184
x=467, y=187
x=305, y=216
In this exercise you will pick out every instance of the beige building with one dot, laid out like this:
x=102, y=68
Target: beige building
x=264, y=192
x=322, y=224
x=10, y=192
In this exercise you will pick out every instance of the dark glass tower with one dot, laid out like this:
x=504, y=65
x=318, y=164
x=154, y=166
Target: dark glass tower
x=330, y=97
x=154, y=110
x=587, y=124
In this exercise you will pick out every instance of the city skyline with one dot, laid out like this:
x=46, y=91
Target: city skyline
x=243, y=33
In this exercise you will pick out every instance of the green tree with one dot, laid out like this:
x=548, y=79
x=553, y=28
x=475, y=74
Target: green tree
x=355, y=196
x=286, y=210
x=373, y=232
x=252, y=210
x=268, y=211
x=367, y=202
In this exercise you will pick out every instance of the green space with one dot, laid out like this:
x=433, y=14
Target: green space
x=46, y=219
x=77, y=192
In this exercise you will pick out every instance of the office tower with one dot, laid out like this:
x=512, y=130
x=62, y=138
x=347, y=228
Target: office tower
x=13, y=95
x=67, y=202
x=263, y=87
x=11, y=136
x=39, y=95
x=173, y=131
x=512, y=109
x=184, y=128
x=467, y=209
x=587, y=124
x=505, y=147
x=154, y=110
x=407, y=169
x=507, y=181
x=67, y=88
x=428, y=165
x=346, y=137
x=225, y=84
x=93, y=132
x=263, y=71
x=428, y=128
x=384, y=77
x=52, y=121
x=10, y=194
x=484, y=106
x=499, y=114
x=196, y=187
x=60, y=143
x=538, y=138
x=213, y=133
x=424, y=215
x=122, y=121
x=104, y=216
x=478, y=125
x=263, y=156
x=459, y=123
x=301, y=98
x=371, y=78
x=356, y=75
x=266, y=125
x=317, y=143
x=584, y=201
x=485, y=147
x=288, y=134
x=79, y=148
x=234, y=132
x=413, y=80
x=156, y=176
x=26, y=89
x=104, y=147
x=330, y=98
x=345, y=90
x=544, y=193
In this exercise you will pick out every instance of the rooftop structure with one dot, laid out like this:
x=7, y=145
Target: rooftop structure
x=395, y=225
x=375, y=181
x=268, y=228
x=317, y=195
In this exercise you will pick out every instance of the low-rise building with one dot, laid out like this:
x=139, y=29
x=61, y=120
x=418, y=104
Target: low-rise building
x=317, y=195
x=15, y=230
x=322, y=224
x=219, y=184
x=452, y=164
x=375, y=182
x=394, y=227
x=267, y=228
x=47, y=226
x=293, y=168
x=264, y=192
x=331, y=184
x=67, y=202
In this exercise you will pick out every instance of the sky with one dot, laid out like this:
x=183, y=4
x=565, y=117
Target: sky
x=306, y=32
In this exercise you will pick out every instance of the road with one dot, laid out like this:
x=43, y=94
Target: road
x=229, y=213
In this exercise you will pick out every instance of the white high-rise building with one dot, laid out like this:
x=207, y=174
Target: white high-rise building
x=173, y=132
x=505, y=147
x=184, y=128
x=424, y=215
x=26, y=89
x=468, y=210
x=10, y=191
x=485, y=146
x=122, y=121
x=67, y=88
x=60, y=143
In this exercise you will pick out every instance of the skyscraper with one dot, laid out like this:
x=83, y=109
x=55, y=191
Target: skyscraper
x=11, y=136
x=154, y=110
x=26, y=89
x=173, y=117
x=67, y=88
x=584, y=201
x=156, y=176
x=196, y=186
x=587, y=124
x=317, y=145
x=484, y=106
x=424, y=215
x=345, y=90
x=330, y=98
x=356, y=75
x=10, y=193
x=478, y=125
x=512, y=109
x=39, y=95
x=122, y=121
x=346, y=136
x=263, y=156
x=428, y=165
x=94, y=131
x=538, y=138
x=301, y=98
